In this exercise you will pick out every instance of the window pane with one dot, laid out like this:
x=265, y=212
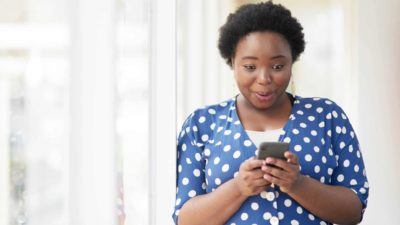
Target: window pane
x=132, y=109
x=33, y=73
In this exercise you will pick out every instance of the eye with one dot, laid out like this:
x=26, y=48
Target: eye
x=277, y=67
x=249, y=68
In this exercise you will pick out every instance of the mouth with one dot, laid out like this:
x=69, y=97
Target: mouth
x=264, y=96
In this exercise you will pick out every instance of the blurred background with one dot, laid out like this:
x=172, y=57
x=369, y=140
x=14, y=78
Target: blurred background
x=92, y=94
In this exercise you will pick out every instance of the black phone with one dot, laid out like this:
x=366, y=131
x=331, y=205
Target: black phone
x=272, y=149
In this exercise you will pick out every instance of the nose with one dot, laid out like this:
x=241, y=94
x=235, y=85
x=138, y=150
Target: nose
x=264, y=77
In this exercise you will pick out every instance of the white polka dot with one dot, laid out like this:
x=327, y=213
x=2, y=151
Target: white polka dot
x=267, y=216
x=281, y=215
x=202, y=119
x=329, y=133
x=183, y=147
x=288, y=202
x=178, y=201
x=219, y=129
x=294, y=222
x=314, y=133
x=346, y=163
x=179, y=168
x=299, y=210
x=363, y=191
x=236, y=136
x=227, y=148
x=308, y=157
x=344, y=116
x=300, y=112
x=185, y=181
x=217, y=181
x=329, y=116
x=244, y=216
x=320, y=110
x=225, y=168
x=356, y=168
x=209, y=172
x=340, y=178
x=207, y=152
x=212, y=126
x=322, y=124
x=194, y=128
x=323, y=223
x=308, y=106
x=334, y=114
x=198, y=157
x=328, y=102
x=322, y=179
x=227, y=132
x=188, y=161
x=358, y=154
x=303, y=125
x=323, y=159
x=247, y=143
x=344, y=130
x=295, y=131
x=254, y=205
x=353, y=182
x=236, y=154
x=366, y=184
x=223, y=104
x=317, y=169
x=338, y=130
x=211, y=111
x=192, y=193
x=342, y=145
x=216, y=160
x=311, y=217
x=316, y=149
x=297, y=148
x=274, y=220
x=196, y=172
x=223, y=117
x=177, y=212
x=311, y=118
x=306, y=140
x=330, y=171
x=287, y=140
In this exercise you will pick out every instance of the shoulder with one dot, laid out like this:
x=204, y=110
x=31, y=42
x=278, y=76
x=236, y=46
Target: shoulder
x=319, y=105
x=206, y=115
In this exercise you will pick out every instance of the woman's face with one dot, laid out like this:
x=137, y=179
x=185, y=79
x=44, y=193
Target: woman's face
x=262, y=67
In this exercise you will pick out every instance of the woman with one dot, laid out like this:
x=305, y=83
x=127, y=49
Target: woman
x=219, y=179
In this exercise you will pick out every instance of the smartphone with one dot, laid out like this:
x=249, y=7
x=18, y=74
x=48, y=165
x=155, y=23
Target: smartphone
x=272, y=149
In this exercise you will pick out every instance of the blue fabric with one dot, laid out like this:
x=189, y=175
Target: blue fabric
x=213, y=143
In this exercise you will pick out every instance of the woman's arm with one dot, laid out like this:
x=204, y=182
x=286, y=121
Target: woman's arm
x=217, y=207
x=335, y=204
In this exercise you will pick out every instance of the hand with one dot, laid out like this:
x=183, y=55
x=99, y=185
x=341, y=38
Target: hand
x=285, y=174
x=250, y=179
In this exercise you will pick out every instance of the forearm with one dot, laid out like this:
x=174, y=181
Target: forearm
x=335, y=204
x=215, y=207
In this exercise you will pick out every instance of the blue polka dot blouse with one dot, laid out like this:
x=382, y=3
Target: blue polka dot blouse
x=213, y=143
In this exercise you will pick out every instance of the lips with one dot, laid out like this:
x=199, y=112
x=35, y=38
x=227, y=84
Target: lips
x=264, y=96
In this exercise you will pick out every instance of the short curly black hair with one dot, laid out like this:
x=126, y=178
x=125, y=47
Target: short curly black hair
x=265, y=16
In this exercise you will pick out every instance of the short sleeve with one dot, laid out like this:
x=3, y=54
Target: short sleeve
x=190, y=180
x=350, y=171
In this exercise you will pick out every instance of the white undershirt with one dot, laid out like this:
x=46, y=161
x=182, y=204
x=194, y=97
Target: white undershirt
x=260, y=136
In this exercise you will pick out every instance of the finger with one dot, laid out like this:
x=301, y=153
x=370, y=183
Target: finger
x=278, y=163
x=261, y=182
x=272, y=179
x=291, y=157
x=276, y=172
x=253, y=163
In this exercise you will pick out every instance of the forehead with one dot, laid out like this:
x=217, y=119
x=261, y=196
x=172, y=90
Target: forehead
x=263, y=44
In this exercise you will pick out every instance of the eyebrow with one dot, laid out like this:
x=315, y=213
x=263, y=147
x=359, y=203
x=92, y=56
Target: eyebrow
x=253, y=57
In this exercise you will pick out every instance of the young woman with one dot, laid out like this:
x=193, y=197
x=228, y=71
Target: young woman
x=219, y=180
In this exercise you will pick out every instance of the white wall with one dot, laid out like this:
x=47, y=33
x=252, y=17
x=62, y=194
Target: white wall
x=379, y=106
